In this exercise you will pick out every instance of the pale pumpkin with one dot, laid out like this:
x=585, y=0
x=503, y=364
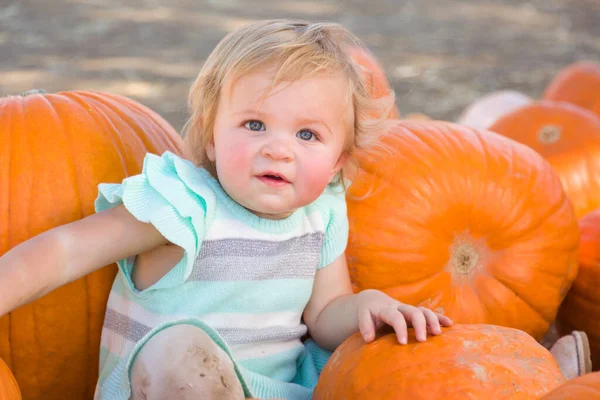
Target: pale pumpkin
x=569, y=138
x=485, y=110
x=579, y=84
x=9, y=390
x=56, y=149
x=465, y=362
x=581, y=308
x=586, y=387
x=473, y=225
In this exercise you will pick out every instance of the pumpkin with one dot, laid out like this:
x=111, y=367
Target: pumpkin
x=376, y=79
x=56, y=149
x=472, y=225
x=585, y=387
x=9, y=390
x=581, y=308
x=465, y=362
x=417, y=116
x=569, y=138
x=579, y=84
x=484, y=111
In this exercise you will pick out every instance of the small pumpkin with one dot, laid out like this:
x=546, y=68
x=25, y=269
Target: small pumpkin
x=376, y=79
x=586, y=387
x=56, y=149
x=581, y=308
x=9, y=390
x=485, y=110
x=465, y=362
x=569, y=138
x=473, y=225
x=579, y=84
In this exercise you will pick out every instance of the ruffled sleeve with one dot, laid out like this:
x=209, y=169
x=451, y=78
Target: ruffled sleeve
x=332, y=205
x=171, y=194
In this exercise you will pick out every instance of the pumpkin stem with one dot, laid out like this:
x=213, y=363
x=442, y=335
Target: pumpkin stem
x=549, y=134
x=464, y=259
x=33, y=91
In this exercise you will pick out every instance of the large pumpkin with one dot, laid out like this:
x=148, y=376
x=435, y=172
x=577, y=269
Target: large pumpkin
x=9, y=390
x=375, y=77
x=586, y=387
x=569, y=138
x=465, y=362
x=581, y=308
x=473, y=225
x=56, y=149
x=579, y=84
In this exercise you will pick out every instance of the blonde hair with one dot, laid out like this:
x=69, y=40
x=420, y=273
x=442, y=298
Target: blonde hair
x=299, y=50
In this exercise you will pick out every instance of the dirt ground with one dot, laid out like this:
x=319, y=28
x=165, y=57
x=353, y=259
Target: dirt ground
x=439, y=54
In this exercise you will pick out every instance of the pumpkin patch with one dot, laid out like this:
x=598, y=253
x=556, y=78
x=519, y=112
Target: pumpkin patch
x=56, y=149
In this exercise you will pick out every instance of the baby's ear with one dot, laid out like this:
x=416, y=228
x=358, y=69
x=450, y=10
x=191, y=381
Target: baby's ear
x=341, y=162
x=210, y=151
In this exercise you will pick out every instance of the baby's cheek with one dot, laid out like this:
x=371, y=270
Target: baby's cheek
x=317, y=177
x=235, y=159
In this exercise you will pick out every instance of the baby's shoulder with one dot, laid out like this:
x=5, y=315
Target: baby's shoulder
x=170, y=173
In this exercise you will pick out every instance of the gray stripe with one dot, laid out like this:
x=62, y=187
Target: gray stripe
x=134, y=331
x=239, y=259
x=311, y=242
x=286, y=266
x=124, y=326
x=242, y=336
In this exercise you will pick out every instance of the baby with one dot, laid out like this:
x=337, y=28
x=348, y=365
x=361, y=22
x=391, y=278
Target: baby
x=242, y=250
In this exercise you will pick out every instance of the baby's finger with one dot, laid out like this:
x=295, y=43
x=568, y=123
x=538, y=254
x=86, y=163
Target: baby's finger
x=394, y=318
x=445, y=321
x=432, y=321
x=417, y=320
x=366, y=325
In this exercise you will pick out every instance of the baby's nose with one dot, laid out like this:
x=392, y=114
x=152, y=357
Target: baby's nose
x=277, y=150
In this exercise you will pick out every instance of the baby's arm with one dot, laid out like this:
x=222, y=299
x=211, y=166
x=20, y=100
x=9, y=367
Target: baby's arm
x=331, y=314
x=334, y=313
x=68, y=252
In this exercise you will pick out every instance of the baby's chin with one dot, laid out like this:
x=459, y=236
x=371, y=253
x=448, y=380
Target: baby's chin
x=271, y=212
x=274, y=216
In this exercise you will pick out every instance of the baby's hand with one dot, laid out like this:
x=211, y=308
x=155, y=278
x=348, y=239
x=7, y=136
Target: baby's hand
x=376, y=308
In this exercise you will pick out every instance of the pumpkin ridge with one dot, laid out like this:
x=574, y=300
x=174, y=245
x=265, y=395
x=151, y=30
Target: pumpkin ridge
x=103, y=119
x=118, y=103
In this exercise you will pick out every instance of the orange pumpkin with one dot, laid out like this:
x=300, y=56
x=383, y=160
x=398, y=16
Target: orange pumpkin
x=579, y=84
x=569, y=138
x=471, y=224
x=56, y=149
x=586, y=387
x=9, y=390
x=465, y=362
x=581, y=308
x=376, y=79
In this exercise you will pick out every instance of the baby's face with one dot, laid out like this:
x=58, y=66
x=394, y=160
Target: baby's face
x=278, y=153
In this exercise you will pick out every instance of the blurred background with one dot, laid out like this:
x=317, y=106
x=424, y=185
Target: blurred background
x=439, y=54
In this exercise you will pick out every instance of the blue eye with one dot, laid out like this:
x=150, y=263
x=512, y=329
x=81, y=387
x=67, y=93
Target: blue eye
x=255, y=125
x=306, y=135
